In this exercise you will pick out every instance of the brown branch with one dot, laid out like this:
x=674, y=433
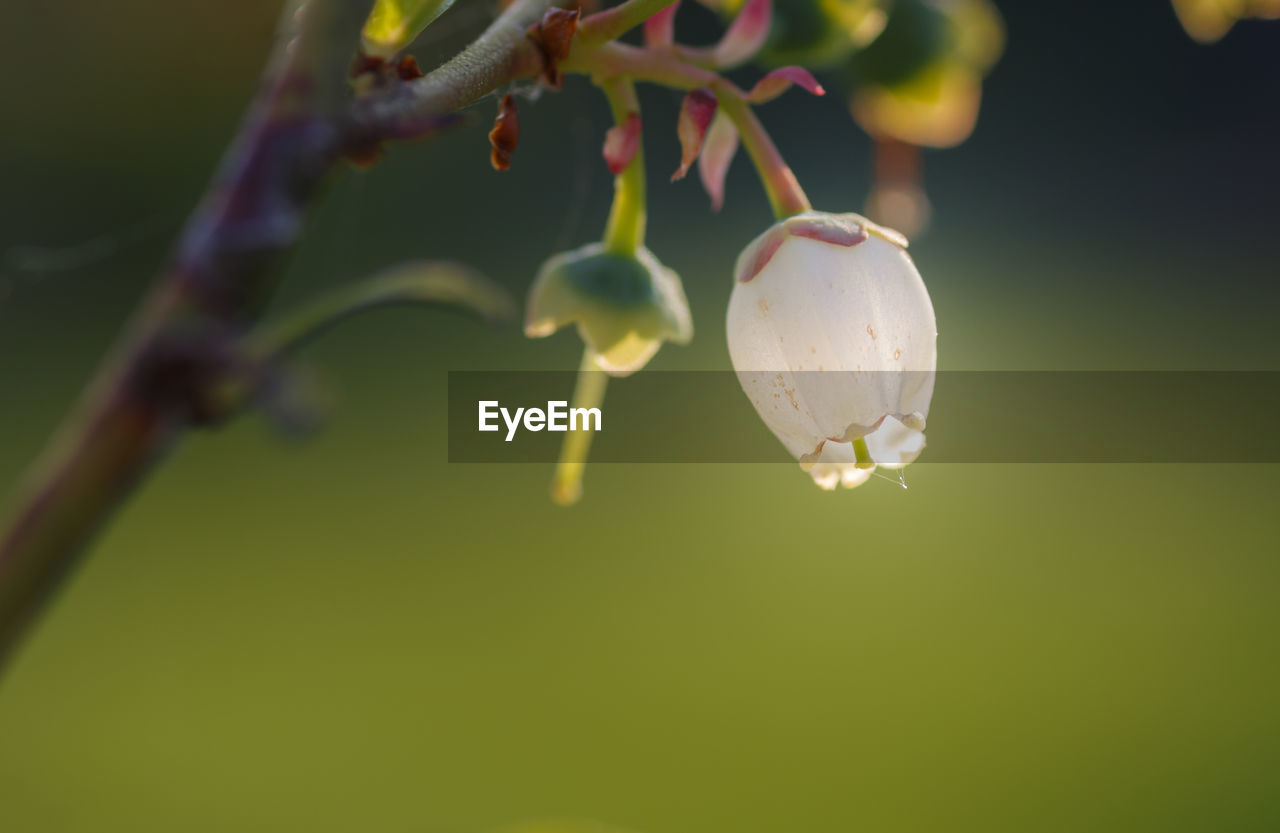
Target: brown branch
x=159, y=382
x=503, y=53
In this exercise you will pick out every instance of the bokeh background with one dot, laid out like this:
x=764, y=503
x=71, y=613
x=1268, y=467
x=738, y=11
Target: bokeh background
x=348, y=633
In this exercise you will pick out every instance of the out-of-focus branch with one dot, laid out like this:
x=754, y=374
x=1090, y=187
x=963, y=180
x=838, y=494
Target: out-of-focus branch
x=182, y=342
x=150, y=389
x=185, y=347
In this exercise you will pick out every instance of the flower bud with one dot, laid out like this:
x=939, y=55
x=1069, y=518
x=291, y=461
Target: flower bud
x=1208, y=20
x=920, y=81
x=624, y=306
x=833, y=339
x=820, y=34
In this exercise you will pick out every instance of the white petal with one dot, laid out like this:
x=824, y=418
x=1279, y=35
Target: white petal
x=836, y=465
x=829, y=339
x=851, y=476
x=894, y=445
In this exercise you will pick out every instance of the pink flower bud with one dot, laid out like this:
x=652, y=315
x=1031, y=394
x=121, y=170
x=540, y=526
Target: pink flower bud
x=718, y=148
x=780, y=80
x=696, y=112
x=660, y=30
x=621, y=143
x=746, y=34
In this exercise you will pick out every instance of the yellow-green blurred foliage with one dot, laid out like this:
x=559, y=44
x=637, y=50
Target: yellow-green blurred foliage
x=1209, y=20
x=349, y=634
x=393, y=24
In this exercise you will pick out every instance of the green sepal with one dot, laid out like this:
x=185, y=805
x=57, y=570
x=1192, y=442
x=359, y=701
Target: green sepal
x=624, y=307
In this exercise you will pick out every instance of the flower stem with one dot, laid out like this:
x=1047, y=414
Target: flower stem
x=624, y=232
x=655, y=66
x=862, y=454
x=566, y=486
x=669, y=70
x=785, y=194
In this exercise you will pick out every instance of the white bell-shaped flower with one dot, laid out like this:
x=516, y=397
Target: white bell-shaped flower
x=833, y=338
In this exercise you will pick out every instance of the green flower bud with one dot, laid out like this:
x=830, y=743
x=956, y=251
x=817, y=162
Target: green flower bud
x=916, y=35
x=817, y=34
x=1208, y=20
x=821, y=33
x=920, y=81
x=624, y=306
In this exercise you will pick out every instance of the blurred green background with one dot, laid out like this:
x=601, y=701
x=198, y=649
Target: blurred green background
x=348, y=633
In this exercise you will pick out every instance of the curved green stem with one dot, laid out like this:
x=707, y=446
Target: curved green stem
x=785, y=194
x=862, y=454
x=656, y=67
x=566, y=485
x=437, y=283
x=624, y=232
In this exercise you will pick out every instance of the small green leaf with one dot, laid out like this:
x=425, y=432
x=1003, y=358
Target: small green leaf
x=394, y=24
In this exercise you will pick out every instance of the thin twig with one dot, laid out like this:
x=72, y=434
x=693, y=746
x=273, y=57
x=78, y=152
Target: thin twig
x=503, y=53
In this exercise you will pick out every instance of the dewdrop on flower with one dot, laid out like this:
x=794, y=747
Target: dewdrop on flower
x=833, y=339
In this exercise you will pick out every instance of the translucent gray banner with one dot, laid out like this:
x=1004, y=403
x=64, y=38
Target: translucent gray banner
x=975, y=417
